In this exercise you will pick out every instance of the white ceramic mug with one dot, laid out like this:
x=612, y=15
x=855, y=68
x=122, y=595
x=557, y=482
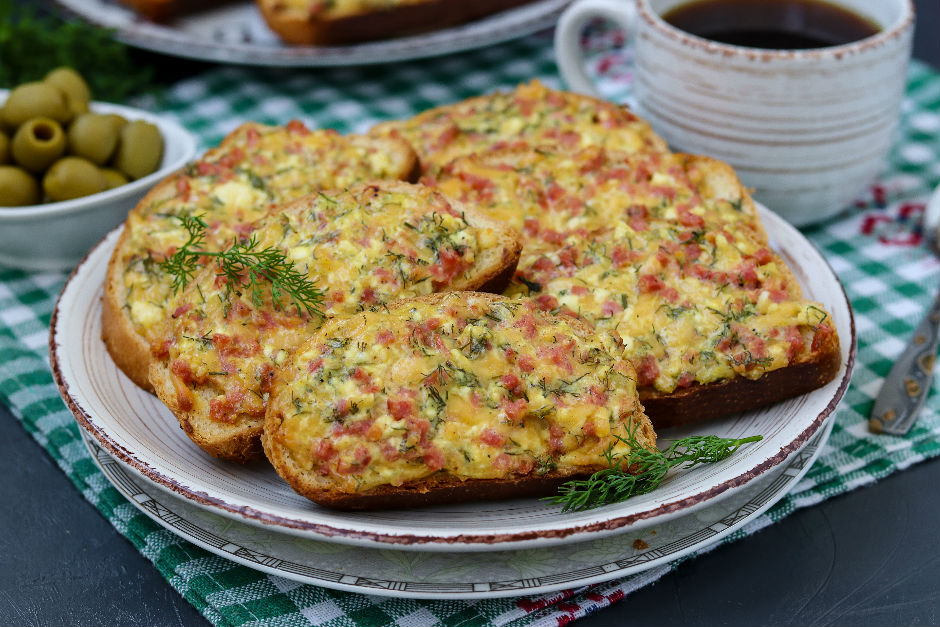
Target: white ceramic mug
x=807, y=130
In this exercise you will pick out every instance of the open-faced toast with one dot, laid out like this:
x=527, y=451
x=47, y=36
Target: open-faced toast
x=254, y=169
x=319, y=23
x=165, y=10
x=669, y=252
x=449, y=397
x=530, y=116
x=365, y=247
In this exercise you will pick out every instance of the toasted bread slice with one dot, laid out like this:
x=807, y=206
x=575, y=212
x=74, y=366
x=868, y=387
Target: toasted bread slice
x=532, y=115
x=363, y=248
x=449, y=397
x=669, y=252
x=254, y=169
x=318, y=23
x=165, y=10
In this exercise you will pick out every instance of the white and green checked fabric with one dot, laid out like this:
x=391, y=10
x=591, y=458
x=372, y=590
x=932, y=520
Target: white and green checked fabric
x=875, y=248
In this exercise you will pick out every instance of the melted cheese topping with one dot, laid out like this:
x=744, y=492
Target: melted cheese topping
x=256, y=168
x=362, y=248
x=335, y=9
x=531, y=115
x=649, y=246
x=477, y=387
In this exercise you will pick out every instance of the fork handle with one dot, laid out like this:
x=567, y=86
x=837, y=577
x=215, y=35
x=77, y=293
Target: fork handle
x=906, y=387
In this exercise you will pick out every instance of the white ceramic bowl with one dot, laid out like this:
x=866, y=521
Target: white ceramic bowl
x=55, y=236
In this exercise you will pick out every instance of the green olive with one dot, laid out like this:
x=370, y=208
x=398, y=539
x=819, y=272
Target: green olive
x=93, y=136
x=38, y=143
x=17, y=187
x=140, y=149
x=70, y=83
x=34, y=100
x=118, y=120
x=76, y=107
x=73, y=177
x=114, y=178
x=4, y=148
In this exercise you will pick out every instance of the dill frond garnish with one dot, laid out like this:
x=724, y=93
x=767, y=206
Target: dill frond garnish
x=245, y=266
x=642, y=470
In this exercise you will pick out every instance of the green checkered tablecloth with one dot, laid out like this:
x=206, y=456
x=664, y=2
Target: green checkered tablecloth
x=875, y=247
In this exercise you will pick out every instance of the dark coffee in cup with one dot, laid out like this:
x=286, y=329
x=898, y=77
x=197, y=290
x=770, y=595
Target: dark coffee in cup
x=772, y=24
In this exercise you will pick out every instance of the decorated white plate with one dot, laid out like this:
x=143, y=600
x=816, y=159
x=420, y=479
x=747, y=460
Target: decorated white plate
x=463, y=575
x=235, y=32
x=143, y=435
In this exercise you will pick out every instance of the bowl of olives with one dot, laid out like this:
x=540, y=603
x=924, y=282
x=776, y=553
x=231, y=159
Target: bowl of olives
x=71, y=168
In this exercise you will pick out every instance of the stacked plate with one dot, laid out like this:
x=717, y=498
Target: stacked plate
x=235, y=32
x=486, y=549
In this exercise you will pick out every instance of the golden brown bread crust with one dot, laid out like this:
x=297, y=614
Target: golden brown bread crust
x=300, y=28
x=236, y=437
x=440, y=489
x=128, y=348
x=700, y=403
x=237, y=444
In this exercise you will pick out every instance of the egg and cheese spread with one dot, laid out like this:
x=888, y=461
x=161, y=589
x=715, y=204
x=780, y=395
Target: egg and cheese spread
x=530, y=115
x=256, y=168
x=362, y=248
x=475, y=386
x=653, y=247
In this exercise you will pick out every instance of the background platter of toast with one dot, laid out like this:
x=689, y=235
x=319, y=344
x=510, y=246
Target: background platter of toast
x=338, y=22
x=317, y=299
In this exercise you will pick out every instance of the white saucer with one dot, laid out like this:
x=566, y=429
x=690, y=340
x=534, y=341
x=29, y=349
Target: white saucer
x=457, y=575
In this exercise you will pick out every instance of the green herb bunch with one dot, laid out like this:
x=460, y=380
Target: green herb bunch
x=33, y=43
x=642, y=470
x=244, y=265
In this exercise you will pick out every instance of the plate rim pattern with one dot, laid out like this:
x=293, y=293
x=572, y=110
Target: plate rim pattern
x=117, y=475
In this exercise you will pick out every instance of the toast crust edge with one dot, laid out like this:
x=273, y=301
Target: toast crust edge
x=700, y=403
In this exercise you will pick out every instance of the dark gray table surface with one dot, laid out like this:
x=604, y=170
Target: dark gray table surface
x=869, y=557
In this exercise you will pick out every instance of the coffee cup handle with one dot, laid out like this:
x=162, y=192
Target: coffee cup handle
x=568, y=51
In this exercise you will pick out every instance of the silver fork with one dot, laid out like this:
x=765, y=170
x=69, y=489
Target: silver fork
x=906, y=387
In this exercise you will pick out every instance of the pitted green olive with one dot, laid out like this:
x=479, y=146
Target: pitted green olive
x=34, y=100
x=93, y=136
x=38, y=143
x=70, y=83
x=52, y=148
x=73, y=177
x=17, y=187
x=140, y=149
x=114, y=178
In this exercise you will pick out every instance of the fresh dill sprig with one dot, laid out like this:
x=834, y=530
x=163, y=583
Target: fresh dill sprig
x=642, y=470
x=244, y=264
x=183, y=264
x=35, y=39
